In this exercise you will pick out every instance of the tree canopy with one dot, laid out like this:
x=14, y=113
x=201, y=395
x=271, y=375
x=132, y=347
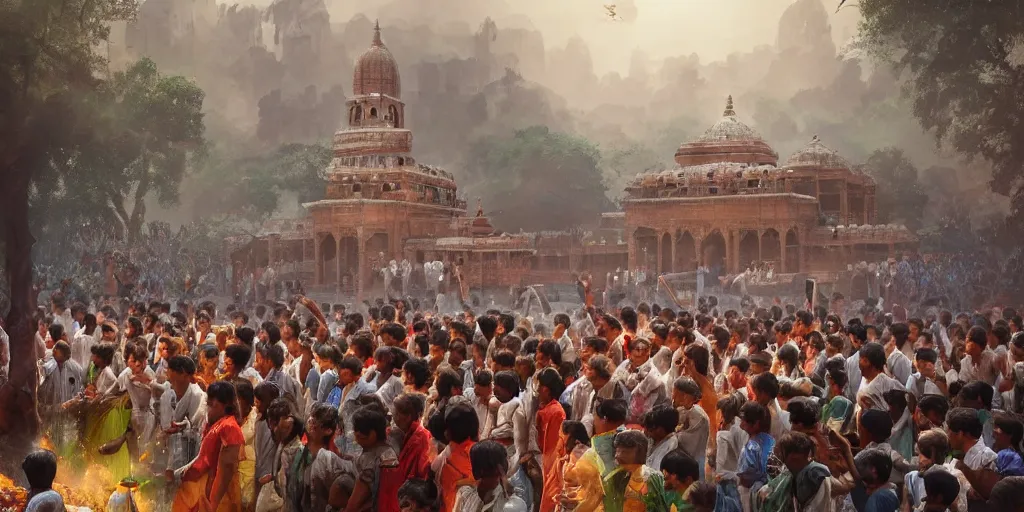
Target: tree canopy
x=537, y=180
x=900, y=197
x=965, y=73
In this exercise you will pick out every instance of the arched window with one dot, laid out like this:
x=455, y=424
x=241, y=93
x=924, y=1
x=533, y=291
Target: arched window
x=357, y=188
x=357, y=114
x=373, y=112
x=393, y=115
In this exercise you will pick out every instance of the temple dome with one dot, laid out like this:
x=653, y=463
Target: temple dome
x=728, y=140
x=376, y=70
x=817, y=155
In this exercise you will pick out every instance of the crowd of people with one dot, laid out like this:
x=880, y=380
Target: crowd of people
x=645, y=408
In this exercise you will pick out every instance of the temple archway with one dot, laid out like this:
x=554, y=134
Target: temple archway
x=686, y=253
x=328, y=262
x=666, y=254
x=646, y=241
x=771, y=248
x=792, y=252
x=378, y=250
x=749, y=250
x=349, y=264
x=713, y=251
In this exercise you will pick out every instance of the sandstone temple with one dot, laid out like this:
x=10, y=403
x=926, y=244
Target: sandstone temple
x=727, y=205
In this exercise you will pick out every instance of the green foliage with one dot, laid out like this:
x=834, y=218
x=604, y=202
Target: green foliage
x=250, y=187
x=962, y=61
x=900, y=197
x=538, y=179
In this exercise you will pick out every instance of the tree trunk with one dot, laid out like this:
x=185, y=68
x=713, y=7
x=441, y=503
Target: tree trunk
x=19, y=420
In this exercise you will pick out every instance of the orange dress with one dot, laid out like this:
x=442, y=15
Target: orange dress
x=549, y=428
x=453, y=470
x=225, y=432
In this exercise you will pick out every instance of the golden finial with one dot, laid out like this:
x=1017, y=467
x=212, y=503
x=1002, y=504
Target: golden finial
x=728, y=107
x=479, y=207
x=376, y=34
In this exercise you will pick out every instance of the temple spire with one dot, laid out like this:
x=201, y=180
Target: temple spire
x=376, y=34
x=728, y=107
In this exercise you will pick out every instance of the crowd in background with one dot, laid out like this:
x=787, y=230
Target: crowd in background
x=303, y=406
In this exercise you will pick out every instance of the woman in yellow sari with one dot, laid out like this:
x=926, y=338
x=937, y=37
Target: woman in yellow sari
x=106, y=415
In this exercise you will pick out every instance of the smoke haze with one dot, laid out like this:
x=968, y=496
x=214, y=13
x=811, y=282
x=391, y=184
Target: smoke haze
x=636, y=79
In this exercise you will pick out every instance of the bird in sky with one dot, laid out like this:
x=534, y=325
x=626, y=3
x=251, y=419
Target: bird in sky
x=610, y=11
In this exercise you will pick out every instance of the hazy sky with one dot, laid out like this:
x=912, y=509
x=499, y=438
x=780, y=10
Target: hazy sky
x=662, y=28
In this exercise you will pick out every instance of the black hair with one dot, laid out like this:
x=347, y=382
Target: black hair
x=271, y=351
x=741, y=363
x=934, y=403
x=483, y=377
x=238, y=354
x=629, y=318
x=369, y=419
x=246, y=335
x=804, y=411
x=978, y=336
x=688, y=386
x=412, y=404
x=632, y=439
x=1012, y=426
x=488, y=325
x=942, y=483
x=105, y=351
x=874, y=353
x=927, y=355
x=447, y=381
x=679, y=463
x=461, y=423
x=56, y=331
x=978, y=390
x=488, y=459
x=874, y=466
x=576, y=430
x=795, y=443
x=663, y=416
x=549, y=378
x=224, y=393
x=422, y=493
x=756, y=414
x=766, y=383
x=551, y=350
x=878, y=424
x=507, y=380
x=613, y=410
x=395, y=330
x=419, y=369
x=182, y=364
x=244, y=391
x=700, y=357
x=505, y=358
x=352, y=364
x=330, y=353
x=40, y=467
x=962, y=419
x=789, y=354
x=267, y=392
x=838, y=376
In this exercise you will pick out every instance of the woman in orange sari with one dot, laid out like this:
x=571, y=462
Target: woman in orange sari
x=210, y=482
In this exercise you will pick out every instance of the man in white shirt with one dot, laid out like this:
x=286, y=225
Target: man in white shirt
x=875, y=382
x=561, y=335
x=926, y=380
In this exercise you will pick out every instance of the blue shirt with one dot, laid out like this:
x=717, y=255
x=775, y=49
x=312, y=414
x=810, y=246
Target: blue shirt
x=882, y=500
x=754, y=459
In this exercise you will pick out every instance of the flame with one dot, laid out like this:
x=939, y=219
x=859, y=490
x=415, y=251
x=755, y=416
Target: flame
x=46, y=444
x=91, y=490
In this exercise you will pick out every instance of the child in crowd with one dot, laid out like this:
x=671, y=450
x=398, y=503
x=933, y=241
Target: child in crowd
x=681, y=474
x=694, y=427
x=752, y=471
x=660, y=426
x=875, y=467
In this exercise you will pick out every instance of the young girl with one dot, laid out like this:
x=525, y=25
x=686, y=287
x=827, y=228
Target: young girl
x=550, y=416
x=752, y=471
x=209, y=358
x=107, y=416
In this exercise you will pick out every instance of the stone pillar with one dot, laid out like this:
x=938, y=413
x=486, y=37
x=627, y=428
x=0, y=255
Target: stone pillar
x=318, y=264
x=338, y=263
x=732, y=246
x=672, y=264
x=801, y=252
x=782, y=251
x=361, y=270
x=660, y=265
x=631, y=248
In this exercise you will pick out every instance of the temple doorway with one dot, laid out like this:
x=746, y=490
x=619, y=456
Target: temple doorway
x=646, y=241
x=712, y=250
x=686, y=254
x=666, y=254
x=328, y=263
x=771, y=250
x=792, y=252
x=750, y=249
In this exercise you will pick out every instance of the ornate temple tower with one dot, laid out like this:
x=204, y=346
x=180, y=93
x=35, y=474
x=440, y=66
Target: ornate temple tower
x=377, y=197
x=376, y=89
